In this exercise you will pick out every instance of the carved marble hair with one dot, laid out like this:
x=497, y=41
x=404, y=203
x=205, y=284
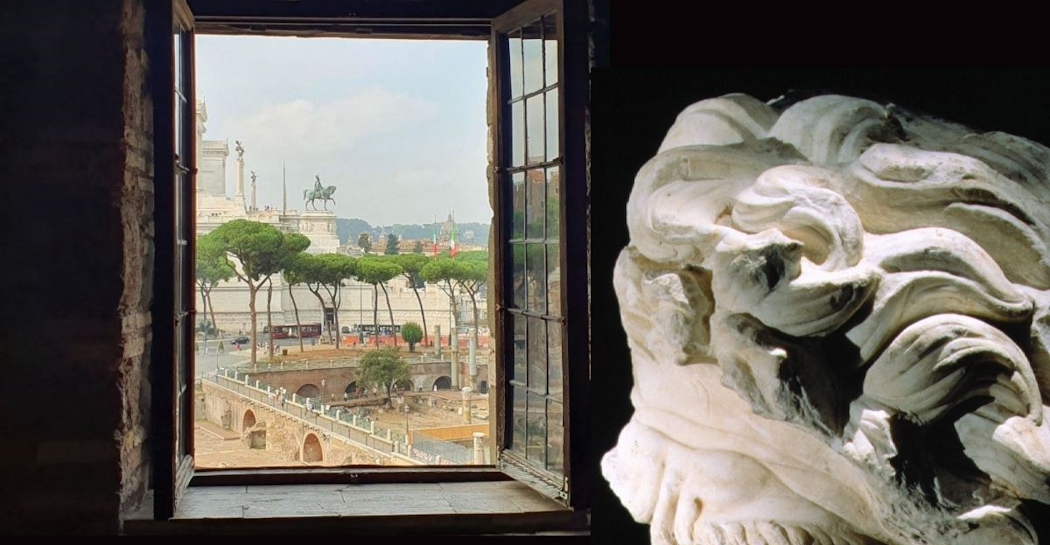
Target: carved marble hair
x=838, y=320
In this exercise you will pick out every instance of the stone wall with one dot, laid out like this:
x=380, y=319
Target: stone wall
x=75, y=157
x=285, y=434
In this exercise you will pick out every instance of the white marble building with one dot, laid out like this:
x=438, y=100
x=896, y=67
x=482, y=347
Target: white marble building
x=218, y=203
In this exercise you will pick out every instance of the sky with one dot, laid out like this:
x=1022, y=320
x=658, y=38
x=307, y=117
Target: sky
x=398, y=126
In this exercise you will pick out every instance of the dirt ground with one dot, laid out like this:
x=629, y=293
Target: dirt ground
x=214, y=447
x=423, y=416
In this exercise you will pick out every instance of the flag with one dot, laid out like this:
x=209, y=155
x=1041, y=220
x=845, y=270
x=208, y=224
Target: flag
x=435, y=238
x=452, y=241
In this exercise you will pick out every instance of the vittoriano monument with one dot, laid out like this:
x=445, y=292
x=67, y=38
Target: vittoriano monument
x=838, y=313
x=323, y=194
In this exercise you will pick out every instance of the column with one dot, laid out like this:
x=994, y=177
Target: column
x=472, y=361
x=437, y=341
x=466, y=404
x=479, y=448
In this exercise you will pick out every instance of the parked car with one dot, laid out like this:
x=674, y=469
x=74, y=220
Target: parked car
x=241, y=340
x=346, y=329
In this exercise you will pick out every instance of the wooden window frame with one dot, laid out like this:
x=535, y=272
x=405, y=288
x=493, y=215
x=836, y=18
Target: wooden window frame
x=473, y=19
x=572, y=244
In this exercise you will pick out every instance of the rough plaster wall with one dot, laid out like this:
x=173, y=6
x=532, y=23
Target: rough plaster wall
x=137, y=222
x=62, y=163
x=490, y=151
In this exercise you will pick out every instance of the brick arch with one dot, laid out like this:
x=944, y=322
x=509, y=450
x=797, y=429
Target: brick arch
x=312, y=451
x=350, y=387
x=309, y=390
x=443, y=383
x=247, y=419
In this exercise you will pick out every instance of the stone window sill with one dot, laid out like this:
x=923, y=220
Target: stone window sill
x=449, y=508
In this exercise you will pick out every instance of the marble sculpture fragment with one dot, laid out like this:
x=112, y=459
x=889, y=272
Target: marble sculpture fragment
x=838, y=313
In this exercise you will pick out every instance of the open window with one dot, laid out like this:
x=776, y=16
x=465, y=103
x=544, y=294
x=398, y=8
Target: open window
x=542, y=311
x=171, y=33
x=538, y=91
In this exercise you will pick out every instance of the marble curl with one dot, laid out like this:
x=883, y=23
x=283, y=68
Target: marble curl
x=838, y=314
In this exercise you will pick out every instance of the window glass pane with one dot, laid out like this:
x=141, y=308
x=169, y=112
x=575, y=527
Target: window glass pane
x=535, y=208
x=518, y=414
x=518, y=289
x=553, y=280
x=179, y=115
x=555, y=438
x=177, y=47
x=552, y=124
x=520, y=351
x=517, y=132
x=534, y=129
x=554, y=370
x=537, y=355
x=536, y=429
x=517, y=198
x=532, y=47
x=550, y=50
x=536, y=277
x=514, y=51
x=553, y=204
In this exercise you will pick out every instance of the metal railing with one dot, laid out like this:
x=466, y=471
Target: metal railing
x=357, y=429
x=330, y=363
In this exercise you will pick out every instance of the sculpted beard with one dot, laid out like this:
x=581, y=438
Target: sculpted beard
x=837, y=318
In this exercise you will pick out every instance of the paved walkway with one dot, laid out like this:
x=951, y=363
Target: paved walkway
x=216, y=430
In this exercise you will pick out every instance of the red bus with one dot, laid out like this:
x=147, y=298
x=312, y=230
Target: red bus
x=293, y=331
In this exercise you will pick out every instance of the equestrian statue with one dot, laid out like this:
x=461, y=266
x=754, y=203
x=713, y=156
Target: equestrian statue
x=319, y=193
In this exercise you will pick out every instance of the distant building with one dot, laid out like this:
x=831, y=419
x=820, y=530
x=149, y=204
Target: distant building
x=216, y=207
x=217, y=203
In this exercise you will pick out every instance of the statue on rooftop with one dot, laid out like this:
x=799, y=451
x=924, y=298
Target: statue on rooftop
x=323, y=194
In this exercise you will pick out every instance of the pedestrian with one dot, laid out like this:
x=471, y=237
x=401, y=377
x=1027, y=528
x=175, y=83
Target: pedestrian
x=346, y=396
x=309, y=405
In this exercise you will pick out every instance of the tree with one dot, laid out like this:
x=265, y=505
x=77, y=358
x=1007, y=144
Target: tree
x=378, y=271
x=383, y=366
x=391, y=245
x=364, y=243
x=295, y=271
x=294, y=244
x=411, y=264
x=258, y=250
x=211, y=268
x=412, y=334
x=328, y=271
x=471, y=274
x=467, y=271
x=417, y=248
x=442, y=271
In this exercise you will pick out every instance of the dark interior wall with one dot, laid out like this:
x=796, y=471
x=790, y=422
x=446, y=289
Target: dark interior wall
x=634, y=107
x=74, y=162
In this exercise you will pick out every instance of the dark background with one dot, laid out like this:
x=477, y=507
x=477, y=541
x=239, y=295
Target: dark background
x=633, y=108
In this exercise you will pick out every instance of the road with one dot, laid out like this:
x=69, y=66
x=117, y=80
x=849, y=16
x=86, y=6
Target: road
x=209, y=358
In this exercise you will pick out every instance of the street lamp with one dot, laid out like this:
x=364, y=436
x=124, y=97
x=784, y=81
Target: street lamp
x=322, y=391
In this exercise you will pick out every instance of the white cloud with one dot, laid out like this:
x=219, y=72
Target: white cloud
x=302, y=127
x=397, y=126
